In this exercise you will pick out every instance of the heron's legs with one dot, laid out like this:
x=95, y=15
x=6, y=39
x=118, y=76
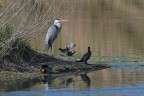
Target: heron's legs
x=51, y=51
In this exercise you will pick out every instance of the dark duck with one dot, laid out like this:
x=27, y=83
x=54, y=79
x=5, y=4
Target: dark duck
x=86, y=56
x=45, y=69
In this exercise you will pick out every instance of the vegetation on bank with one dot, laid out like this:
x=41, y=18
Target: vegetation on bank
x=17, y=50
x=115, y=58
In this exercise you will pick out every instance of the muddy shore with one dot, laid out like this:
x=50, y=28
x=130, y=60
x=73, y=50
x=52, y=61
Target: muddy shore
x=32, y=67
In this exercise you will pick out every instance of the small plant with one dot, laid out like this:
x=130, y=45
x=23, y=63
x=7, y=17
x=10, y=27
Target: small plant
x=5, y=33
x=77, y=56
x=20, y=48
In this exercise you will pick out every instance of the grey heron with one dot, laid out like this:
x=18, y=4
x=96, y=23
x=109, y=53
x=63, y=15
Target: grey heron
x=52, y=33
x=86, y=56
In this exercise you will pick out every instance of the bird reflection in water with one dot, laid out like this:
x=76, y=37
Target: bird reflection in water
x=47, y=80
x=86, y=79
x=68, y=82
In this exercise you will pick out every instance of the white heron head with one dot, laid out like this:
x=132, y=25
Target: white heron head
x=57, y=22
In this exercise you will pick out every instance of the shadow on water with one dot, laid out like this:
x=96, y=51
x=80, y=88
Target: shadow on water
x=86, y=79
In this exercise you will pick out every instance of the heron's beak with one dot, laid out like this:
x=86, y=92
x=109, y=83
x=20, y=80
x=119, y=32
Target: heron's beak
x=64, y=20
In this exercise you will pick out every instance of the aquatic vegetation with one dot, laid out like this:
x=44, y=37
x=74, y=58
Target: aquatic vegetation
x=95, y=59
x=128, y=59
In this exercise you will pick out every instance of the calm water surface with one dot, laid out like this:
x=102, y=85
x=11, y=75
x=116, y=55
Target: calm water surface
x=122, y=79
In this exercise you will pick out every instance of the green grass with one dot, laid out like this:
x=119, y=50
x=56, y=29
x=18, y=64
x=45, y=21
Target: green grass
x=5, y=33
x=112, y=58
x=77, y=56
x=20, y=49
x=129, y=59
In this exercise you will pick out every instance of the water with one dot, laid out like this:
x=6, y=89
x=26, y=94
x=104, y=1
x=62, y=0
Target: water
x=122, y=91
x=123, y=79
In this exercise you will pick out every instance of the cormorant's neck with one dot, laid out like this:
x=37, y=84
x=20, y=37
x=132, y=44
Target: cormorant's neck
x=89, y=50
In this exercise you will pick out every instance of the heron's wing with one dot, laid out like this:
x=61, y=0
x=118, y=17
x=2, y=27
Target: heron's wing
x=54, y=30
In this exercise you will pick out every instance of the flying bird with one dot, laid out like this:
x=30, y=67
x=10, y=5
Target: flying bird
x=63, y=50
x=86, y=56
x=70, y=53
x=70, y=46
x=66, y=51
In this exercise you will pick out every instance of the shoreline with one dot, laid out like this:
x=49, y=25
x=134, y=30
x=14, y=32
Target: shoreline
x=59, y=67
